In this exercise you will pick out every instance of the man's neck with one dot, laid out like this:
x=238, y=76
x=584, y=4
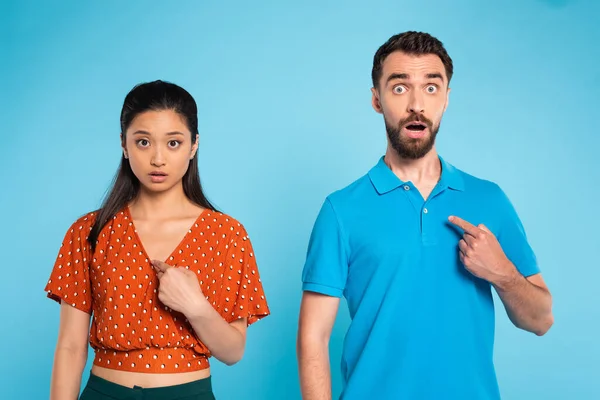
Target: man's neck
x=425, y=171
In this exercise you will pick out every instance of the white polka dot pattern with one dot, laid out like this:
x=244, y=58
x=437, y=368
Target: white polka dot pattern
x=131, y=330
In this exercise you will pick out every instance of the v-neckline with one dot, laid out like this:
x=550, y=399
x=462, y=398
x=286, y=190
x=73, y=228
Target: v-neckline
x=179, y=244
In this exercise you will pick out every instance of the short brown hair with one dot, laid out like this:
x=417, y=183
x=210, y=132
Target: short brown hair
x=415, y=43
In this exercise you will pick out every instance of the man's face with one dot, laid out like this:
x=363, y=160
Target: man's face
x=412, y=95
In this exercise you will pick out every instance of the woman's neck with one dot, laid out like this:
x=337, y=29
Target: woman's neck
x=171, y=203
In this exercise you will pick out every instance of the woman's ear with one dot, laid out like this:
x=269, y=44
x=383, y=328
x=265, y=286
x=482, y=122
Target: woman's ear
x=124, y=147
x=195, y=147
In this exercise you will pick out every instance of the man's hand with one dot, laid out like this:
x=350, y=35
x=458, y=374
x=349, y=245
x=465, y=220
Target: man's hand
x=482, y=255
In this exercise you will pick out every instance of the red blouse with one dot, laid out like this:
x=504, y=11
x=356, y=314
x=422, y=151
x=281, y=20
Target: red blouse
x=131, y=330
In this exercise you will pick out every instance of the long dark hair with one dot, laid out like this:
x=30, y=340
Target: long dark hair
x=151, y=96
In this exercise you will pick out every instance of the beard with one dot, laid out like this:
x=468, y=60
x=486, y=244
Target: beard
x=411, y=148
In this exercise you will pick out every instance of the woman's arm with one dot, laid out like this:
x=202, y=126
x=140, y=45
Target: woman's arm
x=225, y=341
x=179, y=289
x=71, y=353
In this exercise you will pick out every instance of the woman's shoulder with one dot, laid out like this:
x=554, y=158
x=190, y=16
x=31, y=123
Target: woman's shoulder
x=224, y=221
x=79, y=230
x=84, y=222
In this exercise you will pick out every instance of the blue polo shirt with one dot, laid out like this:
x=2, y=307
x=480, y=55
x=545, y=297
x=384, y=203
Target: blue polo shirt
x=422, y=326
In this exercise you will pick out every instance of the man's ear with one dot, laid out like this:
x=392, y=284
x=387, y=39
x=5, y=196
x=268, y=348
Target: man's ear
x=375, y=101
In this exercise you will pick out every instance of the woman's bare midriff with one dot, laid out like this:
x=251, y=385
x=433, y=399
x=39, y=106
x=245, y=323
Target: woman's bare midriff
x=131, y=379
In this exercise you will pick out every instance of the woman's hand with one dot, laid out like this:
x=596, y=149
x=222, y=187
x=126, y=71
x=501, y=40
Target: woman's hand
x=179, y=289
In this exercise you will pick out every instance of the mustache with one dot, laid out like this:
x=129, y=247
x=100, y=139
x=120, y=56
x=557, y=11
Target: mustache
x=416, y=118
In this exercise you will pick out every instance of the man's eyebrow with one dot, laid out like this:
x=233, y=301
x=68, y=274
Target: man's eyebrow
x=433, y=75
x=398, y=76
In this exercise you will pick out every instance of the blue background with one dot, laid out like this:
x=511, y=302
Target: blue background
x=285, y=119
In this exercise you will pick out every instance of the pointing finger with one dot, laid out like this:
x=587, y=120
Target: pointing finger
x=464, y=225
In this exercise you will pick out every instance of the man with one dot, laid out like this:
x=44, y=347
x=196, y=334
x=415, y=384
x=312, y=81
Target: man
x=415, y=247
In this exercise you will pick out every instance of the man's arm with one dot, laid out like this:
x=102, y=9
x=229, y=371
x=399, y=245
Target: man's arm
x=527, y=301
x=317, y=316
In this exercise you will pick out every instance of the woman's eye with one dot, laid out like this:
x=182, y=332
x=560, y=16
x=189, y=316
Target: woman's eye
x=143, y=143
x=174, y=143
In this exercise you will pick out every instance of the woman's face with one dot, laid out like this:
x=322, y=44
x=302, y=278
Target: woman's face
x=159, y=147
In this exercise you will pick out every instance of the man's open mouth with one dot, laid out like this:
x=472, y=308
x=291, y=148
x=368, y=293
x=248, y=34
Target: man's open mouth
x=416, y=126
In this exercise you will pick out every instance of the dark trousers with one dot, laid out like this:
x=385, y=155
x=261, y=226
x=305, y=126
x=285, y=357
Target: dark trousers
x=101, y=389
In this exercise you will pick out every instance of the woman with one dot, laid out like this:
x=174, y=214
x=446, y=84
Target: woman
x=169, y=280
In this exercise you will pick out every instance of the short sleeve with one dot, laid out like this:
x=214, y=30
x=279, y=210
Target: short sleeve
x=244, y=295
x=513, y=239
x=326, y=267
x=69, y=280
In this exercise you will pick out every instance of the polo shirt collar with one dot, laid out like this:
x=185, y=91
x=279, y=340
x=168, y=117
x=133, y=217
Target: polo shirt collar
x=384, y=180
x=451, y=177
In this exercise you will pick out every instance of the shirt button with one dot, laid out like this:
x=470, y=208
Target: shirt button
x=406, y=187
x=425, y=211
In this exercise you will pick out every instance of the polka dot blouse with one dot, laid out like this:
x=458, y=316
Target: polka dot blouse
x=131, y=330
